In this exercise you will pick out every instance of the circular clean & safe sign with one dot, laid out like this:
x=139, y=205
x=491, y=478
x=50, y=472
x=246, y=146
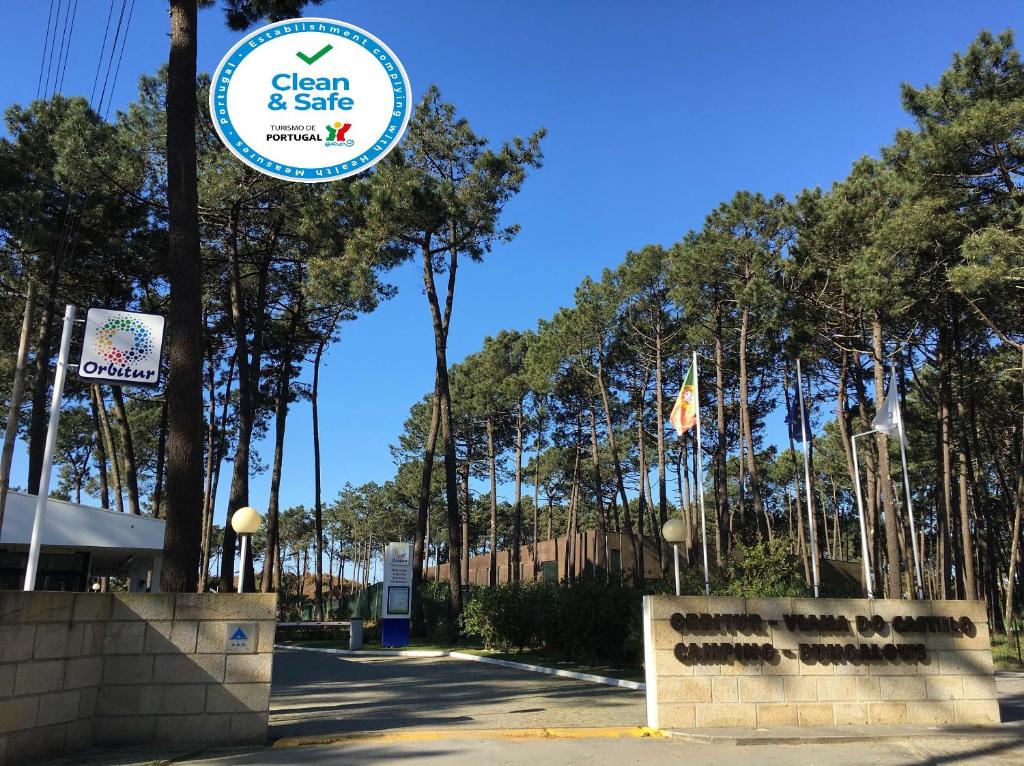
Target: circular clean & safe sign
x=310, y=100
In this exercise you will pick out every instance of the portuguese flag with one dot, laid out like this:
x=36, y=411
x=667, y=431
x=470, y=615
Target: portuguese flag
x=684, y=414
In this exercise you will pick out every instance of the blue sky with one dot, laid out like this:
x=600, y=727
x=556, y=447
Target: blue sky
x=654, y=116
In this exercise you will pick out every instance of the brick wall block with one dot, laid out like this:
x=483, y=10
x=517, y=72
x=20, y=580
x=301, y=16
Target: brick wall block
x=124, y=730
x=249, y=728
x=39, y=677
x=135, y=669
x=118, y=700
x=58, y=708
x=19, y=713
x=143, y=606
x=35, y=745
x=17, y=642
x=237, y=698
x=777, y=714
x=728, y=714
x=248, y=668
x=172, y=699
x=124, y=637
x=58, y=640
x=90, y=607
x=83, y=672
x=7, y=673
x=171, y=637
x=188, y=669
x=816, y=714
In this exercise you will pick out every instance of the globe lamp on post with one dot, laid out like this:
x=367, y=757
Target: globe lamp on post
x=674, y=533
x=245, y=521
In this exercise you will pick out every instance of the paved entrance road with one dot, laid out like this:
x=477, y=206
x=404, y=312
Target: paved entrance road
x=623, y=752
x=317, y=694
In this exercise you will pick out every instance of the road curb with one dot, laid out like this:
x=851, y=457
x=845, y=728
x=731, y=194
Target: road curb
x=430, y=735
x=835, y=735
x=367, y=652
x=466, y=657
x=607, y=681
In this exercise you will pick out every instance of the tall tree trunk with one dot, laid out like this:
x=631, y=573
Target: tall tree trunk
x=419, y=625
x=131, y=475
x=441, y=323
x=595, y=459
x=14, y=409
x=517, y=507
x=41, y=382
x=536, y=500
x=1018, y=511
x=101, y=450
x=161, y=456
x=659, y=426
x=180, y=571
x=111, y=449
x=755, y=484
x=282, y=396
x=491, y=467
x=721, y=479
x=613, y=446
x=318, y=509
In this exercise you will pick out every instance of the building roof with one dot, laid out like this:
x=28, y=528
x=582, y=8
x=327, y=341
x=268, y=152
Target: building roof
x=80, y=527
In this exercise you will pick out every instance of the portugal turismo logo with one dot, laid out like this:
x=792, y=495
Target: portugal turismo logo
x=310, y=100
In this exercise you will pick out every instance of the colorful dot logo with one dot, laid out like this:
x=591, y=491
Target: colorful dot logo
x=114, y=352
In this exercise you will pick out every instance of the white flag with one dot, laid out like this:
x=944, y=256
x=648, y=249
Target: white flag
x=887, y=420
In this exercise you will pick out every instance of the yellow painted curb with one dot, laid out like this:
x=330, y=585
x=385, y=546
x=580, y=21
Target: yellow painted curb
x=431, y=735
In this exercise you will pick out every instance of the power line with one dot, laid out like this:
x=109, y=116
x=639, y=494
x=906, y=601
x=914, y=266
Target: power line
x=67, y=50
x=46, y=45
x=110, y=61
x=103, y=47
x=120, y=57
x=53, y=49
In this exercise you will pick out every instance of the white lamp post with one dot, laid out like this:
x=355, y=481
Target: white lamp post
x=674, y=533
x=245, y=521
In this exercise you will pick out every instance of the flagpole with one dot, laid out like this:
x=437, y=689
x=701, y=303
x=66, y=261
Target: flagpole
x=860, y=515
x=700, y=477
x=807, y=480
x=906, y=486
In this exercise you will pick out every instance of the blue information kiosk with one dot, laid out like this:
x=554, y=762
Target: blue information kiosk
x=397, y=595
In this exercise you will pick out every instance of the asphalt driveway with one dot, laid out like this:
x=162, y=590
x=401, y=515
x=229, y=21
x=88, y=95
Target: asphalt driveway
x=318, y=694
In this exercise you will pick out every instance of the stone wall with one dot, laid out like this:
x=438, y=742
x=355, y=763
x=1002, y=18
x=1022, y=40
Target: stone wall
x=938, y=671
x=98, y=669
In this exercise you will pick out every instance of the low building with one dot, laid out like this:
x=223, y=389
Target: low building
x=587, y=551
x=79, y=543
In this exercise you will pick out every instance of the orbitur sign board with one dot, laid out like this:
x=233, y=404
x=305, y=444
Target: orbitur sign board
x=718, y=661
x=310, y=100
x=122, y=347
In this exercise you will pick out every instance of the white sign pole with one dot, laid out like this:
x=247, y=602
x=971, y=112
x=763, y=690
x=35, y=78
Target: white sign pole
x=860, y=514
x=43, y=493
x=807, y=481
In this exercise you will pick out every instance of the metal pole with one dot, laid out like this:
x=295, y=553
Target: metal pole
x=910, y=511
x=860, y=515
x=675, y=556
x=807, y=481
x=43, y=493
x=700, y=477
x=241, y=569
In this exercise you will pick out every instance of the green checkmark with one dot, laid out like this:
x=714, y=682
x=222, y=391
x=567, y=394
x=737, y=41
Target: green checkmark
x=316, y=56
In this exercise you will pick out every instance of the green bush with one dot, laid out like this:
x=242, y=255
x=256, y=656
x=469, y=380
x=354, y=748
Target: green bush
x=764, y=569
x=591, y=622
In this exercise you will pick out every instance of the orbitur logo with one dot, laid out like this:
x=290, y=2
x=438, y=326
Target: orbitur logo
x=310, y=100
x=122, y=347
